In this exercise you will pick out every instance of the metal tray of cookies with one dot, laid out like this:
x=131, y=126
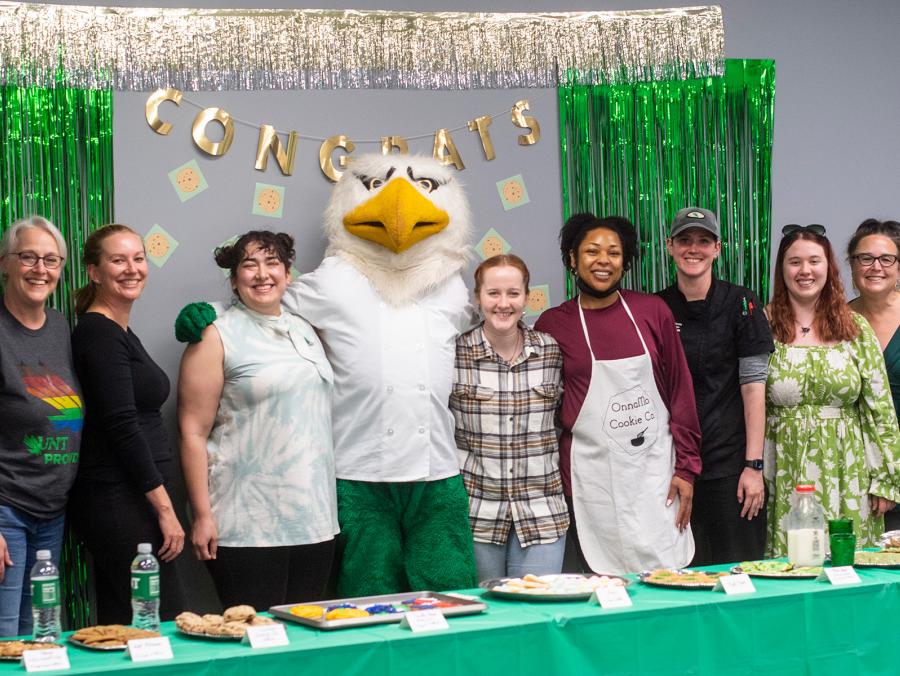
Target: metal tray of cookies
x=451, y=605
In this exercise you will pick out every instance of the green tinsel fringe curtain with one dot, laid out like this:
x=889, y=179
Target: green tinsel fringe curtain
x=646, y=150
x=57, y=162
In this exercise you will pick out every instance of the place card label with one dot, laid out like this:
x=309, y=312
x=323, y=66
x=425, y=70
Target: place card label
x=839, y=575
x=417, y=621
x=739, y=583
x=150, y=649
x=266, y=636
x=611, y=597
x=52, y=659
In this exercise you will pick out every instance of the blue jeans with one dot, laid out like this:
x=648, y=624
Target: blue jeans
x=513, y=560
x=24, y=535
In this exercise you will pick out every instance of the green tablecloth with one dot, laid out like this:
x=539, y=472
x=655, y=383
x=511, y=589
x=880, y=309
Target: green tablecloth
x=786, y=627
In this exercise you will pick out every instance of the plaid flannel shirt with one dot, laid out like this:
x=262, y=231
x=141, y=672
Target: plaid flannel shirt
x=506, y=437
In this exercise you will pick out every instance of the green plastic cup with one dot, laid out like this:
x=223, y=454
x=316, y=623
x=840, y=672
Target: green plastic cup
x=843, y=548
x=840, y=526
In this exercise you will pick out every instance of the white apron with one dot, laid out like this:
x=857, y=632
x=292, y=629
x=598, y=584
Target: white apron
x=622, y=462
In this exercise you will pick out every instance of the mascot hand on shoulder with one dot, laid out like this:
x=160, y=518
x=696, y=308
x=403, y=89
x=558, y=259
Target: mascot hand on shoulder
x=387, y=302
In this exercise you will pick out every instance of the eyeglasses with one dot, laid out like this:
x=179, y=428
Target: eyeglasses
x=29, y=259
x=868, y=260
x=814, y=228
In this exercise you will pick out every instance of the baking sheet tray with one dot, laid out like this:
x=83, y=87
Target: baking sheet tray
x=491, y=587
x=462, y=606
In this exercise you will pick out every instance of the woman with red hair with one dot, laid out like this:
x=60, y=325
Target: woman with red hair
x=830, y=419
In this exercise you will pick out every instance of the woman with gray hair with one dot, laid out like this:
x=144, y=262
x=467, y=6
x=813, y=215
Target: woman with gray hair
x=40, y=413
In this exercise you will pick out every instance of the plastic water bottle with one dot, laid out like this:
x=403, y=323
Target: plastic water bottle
x=805, y=526
x=45, y=598
x=145, y=589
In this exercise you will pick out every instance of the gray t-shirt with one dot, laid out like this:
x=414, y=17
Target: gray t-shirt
x=41, y=415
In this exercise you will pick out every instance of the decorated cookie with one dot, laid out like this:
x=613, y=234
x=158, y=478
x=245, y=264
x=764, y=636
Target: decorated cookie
x=309, y=612
x=345, y=613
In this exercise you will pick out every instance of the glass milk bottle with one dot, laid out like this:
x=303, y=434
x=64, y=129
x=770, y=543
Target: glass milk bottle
x=805, y=526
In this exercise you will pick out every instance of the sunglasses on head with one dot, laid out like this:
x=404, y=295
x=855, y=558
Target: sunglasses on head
x=814, y=228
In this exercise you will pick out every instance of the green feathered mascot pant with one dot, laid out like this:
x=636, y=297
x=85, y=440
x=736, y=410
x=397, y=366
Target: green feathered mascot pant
x=409, y=536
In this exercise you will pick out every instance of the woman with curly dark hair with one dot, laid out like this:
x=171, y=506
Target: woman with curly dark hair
x=254, y=408
x=830, y=419
x=630, y=448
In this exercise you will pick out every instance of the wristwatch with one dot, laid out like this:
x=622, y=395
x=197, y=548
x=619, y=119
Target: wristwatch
x=754, y=464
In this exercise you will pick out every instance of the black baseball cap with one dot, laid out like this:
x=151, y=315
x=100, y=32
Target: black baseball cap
x=695, y=217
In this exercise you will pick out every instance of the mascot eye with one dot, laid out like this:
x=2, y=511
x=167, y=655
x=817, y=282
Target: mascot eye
x=428, y=184
x=373, y=183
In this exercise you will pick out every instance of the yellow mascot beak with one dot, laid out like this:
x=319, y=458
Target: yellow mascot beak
x=397, y=217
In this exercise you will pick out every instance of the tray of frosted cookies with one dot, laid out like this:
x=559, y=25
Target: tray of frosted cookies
x=364, y=611
x=229, y=626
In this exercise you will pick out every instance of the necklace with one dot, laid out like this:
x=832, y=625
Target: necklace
x=804, y=330
x=515, y=350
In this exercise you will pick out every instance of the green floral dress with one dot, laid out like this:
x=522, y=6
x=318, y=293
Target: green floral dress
x=830, y=422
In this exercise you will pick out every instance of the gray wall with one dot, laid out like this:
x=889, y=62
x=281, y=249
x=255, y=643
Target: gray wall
x=837, y=143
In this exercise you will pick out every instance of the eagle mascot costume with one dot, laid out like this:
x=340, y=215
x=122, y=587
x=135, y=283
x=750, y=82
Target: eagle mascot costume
x=388, y=301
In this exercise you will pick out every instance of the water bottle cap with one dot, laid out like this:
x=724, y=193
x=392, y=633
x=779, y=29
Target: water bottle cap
x=806, y=488
x=145, y=548
x=43, y=555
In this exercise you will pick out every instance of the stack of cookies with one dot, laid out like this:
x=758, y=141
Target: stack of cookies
x=14, y=649
x=110, y=636
x=232, y=623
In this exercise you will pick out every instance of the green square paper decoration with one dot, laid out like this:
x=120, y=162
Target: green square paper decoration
x=646, y=150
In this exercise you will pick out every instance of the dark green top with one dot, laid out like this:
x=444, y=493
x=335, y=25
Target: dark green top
x=892, y=362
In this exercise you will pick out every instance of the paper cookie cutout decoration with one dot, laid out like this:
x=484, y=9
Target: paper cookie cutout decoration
x=492, y=244
x=188, y=180
x=268, y=200
x=538, y=300
x=159, y=245
x=512, y=192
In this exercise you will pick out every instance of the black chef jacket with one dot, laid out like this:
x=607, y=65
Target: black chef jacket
x=715, y=333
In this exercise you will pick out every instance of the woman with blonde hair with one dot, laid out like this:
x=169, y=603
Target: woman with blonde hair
x=830, y=420
x=121, y=496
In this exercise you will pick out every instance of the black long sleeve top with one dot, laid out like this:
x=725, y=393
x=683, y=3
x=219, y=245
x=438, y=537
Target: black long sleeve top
x=124, y=438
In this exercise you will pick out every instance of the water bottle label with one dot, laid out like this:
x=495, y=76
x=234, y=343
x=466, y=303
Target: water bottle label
x=144, y=586
x=45, y=593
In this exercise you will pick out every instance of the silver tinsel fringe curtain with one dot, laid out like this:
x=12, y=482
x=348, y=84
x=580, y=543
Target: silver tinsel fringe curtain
x=225, y=49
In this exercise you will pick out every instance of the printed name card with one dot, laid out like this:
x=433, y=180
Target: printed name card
x=266, y=636
x=839, y=575
x=735, y=584
x=611, y=597
x=424, y=620
x=150, y=649
x=53, y=659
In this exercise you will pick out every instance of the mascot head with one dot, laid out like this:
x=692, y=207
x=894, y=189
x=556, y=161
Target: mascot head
x=402, y=220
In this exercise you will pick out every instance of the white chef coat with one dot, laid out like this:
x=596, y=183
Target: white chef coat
x=393, y=372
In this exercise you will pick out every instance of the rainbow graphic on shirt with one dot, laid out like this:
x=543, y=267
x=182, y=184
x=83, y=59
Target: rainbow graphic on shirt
x=68, y=420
